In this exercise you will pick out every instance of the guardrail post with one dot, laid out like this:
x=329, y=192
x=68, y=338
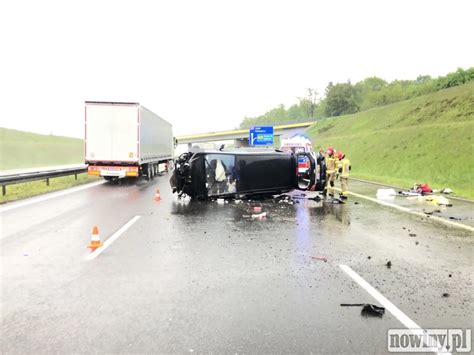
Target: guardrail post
x=47, y=182
x=75, y=176
x=4, y=190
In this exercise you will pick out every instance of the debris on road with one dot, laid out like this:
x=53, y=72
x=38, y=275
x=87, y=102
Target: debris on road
x=372, y=310
x=408, y=193
x=431, y=212
x=386, y=194
x=417, y=242
x=259, y=216
x=446, y=295
x=417, y=190
x=412, y=234
x=295, y=198
x=435, y=200
x=446, y=190
x=369, y=257
x=334, y=200
x=257, y=209
x=367, y=309
x=422, y=188
x=283, y=198
x=220, y=201
x=388, y=264
x=322, y=258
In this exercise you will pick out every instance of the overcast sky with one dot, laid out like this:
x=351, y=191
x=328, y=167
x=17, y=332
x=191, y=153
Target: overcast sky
x=204, y=65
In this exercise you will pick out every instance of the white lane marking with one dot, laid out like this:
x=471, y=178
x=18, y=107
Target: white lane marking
x=389, y=306
x=415, y=213
x=13, y=205
x=112, y=239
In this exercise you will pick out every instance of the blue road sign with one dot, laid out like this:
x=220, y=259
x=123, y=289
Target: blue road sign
x=261, y=135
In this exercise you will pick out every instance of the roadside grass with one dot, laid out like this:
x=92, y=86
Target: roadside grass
x=428, y=139
x=20, y=149
x=33, y=188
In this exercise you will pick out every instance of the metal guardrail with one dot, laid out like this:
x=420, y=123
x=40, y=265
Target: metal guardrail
x=11, y=179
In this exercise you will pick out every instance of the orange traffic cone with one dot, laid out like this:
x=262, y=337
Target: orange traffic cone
x=157, y=195
x=95, y=239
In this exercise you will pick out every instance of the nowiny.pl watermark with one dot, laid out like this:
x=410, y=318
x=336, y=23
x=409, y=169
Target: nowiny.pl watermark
x=429, y=340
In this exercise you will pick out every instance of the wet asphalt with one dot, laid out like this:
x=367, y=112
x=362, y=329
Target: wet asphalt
x=203, y=277
x=459, y=210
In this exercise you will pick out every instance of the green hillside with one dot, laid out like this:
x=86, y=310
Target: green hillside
x=27, y=150
x=424, y=139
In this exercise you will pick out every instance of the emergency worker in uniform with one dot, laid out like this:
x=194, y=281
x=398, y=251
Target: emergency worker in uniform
x=330, y=171
x=344, y=168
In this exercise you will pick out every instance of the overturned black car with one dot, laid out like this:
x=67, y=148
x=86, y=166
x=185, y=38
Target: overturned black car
x=240, y=173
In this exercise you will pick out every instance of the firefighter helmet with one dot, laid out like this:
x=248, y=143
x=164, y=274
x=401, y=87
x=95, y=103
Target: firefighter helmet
x=330, y=151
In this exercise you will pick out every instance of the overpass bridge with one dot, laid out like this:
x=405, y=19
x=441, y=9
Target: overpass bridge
x=241, y=136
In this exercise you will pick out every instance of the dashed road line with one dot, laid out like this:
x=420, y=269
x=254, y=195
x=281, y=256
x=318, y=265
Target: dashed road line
x=389, y=306
x=112, y=239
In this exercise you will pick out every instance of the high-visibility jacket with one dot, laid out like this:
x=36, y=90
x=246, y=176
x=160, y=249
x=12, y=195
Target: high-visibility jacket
x=330, y=164
x=344, y=167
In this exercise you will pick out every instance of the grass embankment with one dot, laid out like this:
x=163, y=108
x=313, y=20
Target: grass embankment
x=425, y=139
x=20, y=149
x=33, y=188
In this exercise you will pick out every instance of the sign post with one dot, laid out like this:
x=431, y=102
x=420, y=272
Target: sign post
x=261, y=136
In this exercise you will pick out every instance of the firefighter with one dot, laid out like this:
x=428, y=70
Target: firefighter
x=330, y=171
x=344, y=167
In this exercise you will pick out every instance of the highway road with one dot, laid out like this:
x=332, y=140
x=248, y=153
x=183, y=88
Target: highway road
x=185, y=277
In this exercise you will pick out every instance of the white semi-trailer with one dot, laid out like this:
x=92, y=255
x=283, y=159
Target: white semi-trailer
x=124, y=139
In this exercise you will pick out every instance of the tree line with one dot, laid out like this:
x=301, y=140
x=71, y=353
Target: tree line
x=346, y=98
